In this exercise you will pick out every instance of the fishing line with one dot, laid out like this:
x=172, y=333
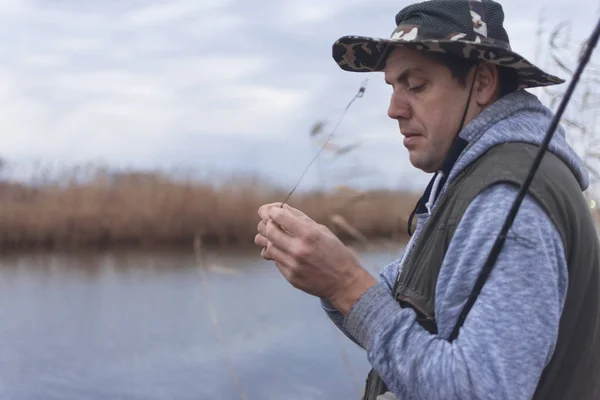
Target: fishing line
x=359, y=94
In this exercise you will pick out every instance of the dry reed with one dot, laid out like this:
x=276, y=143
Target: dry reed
x=214, y=317
x=152, y=209
x=582, y=116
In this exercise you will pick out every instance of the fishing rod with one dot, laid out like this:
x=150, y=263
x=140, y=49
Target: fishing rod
x=501, y=238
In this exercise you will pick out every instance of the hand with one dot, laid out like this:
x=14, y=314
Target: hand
x=263, y=222
x=310, y=256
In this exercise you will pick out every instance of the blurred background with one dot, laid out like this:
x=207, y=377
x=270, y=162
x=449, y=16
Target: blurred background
x=137, y=141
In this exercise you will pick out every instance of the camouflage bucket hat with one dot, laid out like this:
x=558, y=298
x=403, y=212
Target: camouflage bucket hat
x=470, y=29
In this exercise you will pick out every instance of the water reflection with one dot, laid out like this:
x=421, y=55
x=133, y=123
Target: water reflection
x=132, y=325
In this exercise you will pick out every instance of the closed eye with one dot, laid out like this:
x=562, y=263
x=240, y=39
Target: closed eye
x=416, y=89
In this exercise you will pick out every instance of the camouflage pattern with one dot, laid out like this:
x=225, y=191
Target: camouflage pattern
x=478, y=17
x=366, y=54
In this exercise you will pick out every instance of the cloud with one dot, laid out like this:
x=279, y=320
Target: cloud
x=126, y=104
x=197, y=83
x=14, y=7
x=170, y=12
x=307, y=12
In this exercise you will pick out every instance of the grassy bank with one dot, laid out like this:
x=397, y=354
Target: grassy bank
x=153, y=210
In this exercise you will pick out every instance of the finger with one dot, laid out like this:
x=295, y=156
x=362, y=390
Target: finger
x=265, y=255
x=284, y=262
x=261, y=228
x=296, y=212
x=288, y=221
x=263, y=210
x=261, y=241
x=278, y=236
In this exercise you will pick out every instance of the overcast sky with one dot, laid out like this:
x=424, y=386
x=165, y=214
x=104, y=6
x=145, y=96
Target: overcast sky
x=211, y=84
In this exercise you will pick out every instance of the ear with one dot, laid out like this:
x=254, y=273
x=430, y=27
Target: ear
x=486, y=84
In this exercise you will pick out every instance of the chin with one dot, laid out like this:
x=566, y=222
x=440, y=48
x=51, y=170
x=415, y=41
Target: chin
x=419, y=162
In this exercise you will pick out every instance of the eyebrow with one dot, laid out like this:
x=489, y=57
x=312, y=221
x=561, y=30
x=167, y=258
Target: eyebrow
x=403, y=77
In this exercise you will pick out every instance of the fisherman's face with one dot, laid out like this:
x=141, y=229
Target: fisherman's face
x=428, y=104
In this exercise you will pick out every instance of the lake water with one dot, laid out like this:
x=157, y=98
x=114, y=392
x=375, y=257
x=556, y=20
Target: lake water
x=138, y=326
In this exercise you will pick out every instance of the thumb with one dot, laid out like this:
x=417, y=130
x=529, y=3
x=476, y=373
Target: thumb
x=297, y=212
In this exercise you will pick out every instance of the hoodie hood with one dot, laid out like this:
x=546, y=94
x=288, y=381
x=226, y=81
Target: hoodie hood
x=517, y=117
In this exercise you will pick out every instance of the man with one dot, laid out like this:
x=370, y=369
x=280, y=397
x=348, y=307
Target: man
x=533, y=331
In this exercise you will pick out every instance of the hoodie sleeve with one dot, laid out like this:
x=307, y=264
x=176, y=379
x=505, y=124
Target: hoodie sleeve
x=387, y=278
x=511, y=331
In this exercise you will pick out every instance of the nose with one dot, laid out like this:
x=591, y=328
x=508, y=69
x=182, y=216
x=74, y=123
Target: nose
x=399, y=107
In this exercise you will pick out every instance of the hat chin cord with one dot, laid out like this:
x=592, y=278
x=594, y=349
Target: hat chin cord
x=440, y=174
x=464, y=117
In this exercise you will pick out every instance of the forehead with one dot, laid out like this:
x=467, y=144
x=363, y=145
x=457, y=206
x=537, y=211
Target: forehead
x=402, y=59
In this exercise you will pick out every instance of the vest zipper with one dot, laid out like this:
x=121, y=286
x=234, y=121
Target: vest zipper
x=415, y=306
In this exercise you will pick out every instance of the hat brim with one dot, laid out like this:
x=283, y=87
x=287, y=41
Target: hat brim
x=367, y=54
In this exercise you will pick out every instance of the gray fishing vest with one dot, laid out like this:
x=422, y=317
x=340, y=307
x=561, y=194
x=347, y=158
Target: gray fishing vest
x=574, y=369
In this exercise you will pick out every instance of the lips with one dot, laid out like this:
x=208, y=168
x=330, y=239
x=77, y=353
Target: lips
x=410, y=139
x=407, y=131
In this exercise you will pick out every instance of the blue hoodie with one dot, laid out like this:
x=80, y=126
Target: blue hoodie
x=511, y=331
